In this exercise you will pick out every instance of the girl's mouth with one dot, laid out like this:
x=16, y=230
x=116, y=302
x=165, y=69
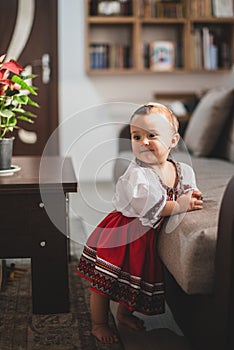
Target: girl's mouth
x=146, y=150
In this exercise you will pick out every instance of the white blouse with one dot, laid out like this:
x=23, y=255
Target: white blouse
x=141, y=193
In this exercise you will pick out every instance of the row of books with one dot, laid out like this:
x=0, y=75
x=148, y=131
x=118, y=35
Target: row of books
x=210, y=52
x=103, y=56
x=200, y=8
x=162, y=8
x=158, y=56
x=208, y=8
x=157, y=8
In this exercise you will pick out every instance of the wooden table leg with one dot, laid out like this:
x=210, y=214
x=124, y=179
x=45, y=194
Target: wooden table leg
x=50, y=287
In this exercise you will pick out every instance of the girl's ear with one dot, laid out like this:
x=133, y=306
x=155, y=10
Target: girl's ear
x=175, y=140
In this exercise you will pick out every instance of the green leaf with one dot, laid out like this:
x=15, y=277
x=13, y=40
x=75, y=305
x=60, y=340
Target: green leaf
x=26, y=113
x=33, y=103
x=12, y=121
x=6, y=113
x=22, y=83
x=26, y=77
x=18, y=110
x=26, y=119
x=21, y=99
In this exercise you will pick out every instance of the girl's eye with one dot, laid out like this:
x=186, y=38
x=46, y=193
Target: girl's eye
x=152, y=136
x=136, y=137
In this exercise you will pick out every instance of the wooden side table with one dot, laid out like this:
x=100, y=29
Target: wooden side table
x=28, y=230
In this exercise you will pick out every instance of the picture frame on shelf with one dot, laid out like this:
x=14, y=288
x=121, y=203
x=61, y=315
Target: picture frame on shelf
x=162, y=55
x=222, y=8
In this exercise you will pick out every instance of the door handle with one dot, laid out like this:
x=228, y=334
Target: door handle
x=44, y=63
x=45, y=68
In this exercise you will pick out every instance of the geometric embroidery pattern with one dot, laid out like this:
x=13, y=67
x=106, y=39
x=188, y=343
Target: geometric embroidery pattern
x=111, y=281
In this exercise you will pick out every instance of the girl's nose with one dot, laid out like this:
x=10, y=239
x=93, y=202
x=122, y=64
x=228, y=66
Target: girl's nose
x=145, y=141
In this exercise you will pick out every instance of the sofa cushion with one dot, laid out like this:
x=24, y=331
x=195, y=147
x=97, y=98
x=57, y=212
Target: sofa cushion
x=188, y=251
x=208, y=120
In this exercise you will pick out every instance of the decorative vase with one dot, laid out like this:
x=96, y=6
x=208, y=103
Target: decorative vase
x=6, y=149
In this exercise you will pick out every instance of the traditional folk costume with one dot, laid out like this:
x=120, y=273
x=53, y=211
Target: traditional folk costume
x=120, y=258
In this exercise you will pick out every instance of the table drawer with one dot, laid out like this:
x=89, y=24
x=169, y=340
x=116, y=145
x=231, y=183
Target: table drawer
x=15, y=212
x=30, y=212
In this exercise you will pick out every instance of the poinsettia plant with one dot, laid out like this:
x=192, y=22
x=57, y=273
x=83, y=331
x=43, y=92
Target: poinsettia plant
x=14, y=96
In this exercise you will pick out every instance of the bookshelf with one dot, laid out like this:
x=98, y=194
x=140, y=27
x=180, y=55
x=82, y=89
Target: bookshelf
x=120, y=36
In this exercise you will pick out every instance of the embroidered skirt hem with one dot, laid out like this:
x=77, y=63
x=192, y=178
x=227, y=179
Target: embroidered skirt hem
x=130, y=272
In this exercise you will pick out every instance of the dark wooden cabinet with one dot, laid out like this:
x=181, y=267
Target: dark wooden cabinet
x=33, y=216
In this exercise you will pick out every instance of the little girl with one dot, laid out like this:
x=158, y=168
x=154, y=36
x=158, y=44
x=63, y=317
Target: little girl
x=120, y=258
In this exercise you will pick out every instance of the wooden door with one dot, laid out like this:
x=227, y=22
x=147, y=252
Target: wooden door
x=29, y=29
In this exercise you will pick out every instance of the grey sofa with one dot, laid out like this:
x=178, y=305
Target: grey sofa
x=197, y=249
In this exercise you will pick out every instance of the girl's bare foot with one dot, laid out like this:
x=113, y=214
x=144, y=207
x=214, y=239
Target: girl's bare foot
x=128, y=319
x=104, y=333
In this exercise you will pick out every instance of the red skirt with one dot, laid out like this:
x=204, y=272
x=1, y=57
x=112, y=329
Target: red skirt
x=121, y=262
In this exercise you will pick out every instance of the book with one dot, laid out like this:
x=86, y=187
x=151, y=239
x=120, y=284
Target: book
x=208, y=10
x=198, y=51
x=210, y=50
x=162, y=55
x=206, y=47
x=99, y=56
x=222, y=8
x=213, y=57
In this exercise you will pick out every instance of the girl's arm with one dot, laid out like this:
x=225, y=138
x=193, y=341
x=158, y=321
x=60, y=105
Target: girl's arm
x=186, y=202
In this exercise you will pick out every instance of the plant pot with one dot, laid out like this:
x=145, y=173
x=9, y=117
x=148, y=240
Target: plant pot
x=6, y=149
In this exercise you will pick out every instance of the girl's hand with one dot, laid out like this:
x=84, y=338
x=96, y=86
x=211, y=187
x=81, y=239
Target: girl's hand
x=186, y=202
x=189, y=201
x=195, y=203
x=197, y=194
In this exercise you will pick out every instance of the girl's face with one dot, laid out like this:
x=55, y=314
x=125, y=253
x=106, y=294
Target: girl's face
x=152, y=138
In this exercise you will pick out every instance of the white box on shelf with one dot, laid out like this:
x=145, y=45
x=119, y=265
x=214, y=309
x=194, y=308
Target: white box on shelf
x=222, y=8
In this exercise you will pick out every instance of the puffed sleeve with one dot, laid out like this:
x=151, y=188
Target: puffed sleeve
x=188, y=178
x=139, y=193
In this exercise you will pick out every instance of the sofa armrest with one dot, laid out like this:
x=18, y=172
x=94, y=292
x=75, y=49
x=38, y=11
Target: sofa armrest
x=208, y=320
x=224, y=262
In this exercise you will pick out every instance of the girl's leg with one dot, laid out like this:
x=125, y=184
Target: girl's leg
x=99, y=306
x=126, y=317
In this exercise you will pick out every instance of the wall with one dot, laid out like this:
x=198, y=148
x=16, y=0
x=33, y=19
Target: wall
x=93, y=108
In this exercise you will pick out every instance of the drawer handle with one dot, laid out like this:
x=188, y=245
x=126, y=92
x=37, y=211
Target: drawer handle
x=43, y=244
x=41, y=205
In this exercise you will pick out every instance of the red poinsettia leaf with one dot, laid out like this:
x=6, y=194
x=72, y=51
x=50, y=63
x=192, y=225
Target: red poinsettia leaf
x=3, y=88
x=5, y=82
x=12, y=66
x=2, y=72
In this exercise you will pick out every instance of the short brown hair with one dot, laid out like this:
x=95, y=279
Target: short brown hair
x=158, y=108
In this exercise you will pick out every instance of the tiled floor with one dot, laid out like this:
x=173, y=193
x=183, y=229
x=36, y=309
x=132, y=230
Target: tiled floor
x=88, y=207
